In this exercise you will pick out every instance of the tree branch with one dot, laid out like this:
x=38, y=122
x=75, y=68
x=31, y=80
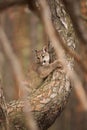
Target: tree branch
x=16, y=67
x=48, y=101
x=73, y=8
x=9, y=3
x=17, y=70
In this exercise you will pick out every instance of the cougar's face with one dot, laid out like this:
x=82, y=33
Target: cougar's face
x=42, y=57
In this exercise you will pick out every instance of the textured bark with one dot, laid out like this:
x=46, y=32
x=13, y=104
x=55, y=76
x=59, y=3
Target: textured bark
x=48, y=101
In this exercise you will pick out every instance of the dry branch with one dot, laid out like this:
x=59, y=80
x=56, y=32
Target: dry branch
x=14, y=62
x=18, y=74
x=70, y=50
x=48, y=101
x=74, y=9
x=9, y=3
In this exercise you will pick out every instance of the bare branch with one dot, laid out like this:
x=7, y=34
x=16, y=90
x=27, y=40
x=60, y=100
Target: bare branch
x=46, y=96
x=16, y=67
x=57, y=42
x=9, y=3
x=84, y=18
x=56, y=39
x=17, y=70
x=79, y=90
x=73, y=8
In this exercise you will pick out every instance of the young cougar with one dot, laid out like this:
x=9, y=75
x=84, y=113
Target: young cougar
x=44, y=67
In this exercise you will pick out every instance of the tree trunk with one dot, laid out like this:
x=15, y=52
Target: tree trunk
x=48, y=101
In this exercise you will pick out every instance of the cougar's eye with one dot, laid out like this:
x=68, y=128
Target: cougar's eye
x=38, y=58
x=43, y=56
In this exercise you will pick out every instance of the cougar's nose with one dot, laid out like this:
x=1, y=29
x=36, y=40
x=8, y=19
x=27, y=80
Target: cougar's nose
x=44, y=61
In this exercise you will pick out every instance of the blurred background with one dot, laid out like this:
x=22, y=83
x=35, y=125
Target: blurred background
x=26, y=33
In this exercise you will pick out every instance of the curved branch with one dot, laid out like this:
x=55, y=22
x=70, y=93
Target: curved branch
x=48, y=101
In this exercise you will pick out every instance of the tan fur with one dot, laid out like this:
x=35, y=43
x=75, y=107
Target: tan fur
x=44, y=67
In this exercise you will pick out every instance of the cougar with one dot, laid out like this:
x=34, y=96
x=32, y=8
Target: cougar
x=44, y=66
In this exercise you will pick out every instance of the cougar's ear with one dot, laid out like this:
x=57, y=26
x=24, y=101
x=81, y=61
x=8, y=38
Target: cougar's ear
x=45, y=49
x=35, y=53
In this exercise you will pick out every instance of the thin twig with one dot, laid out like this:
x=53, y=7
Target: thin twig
x=17, y=70
x=84, y=18
x=13, y=60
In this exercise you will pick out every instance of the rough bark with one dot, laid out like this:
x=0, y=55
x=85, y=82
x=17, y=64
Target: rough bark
x=48, y=101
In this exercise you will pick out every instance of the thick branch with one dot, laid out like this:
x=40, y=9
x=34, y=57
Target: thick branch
x=48, y=101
